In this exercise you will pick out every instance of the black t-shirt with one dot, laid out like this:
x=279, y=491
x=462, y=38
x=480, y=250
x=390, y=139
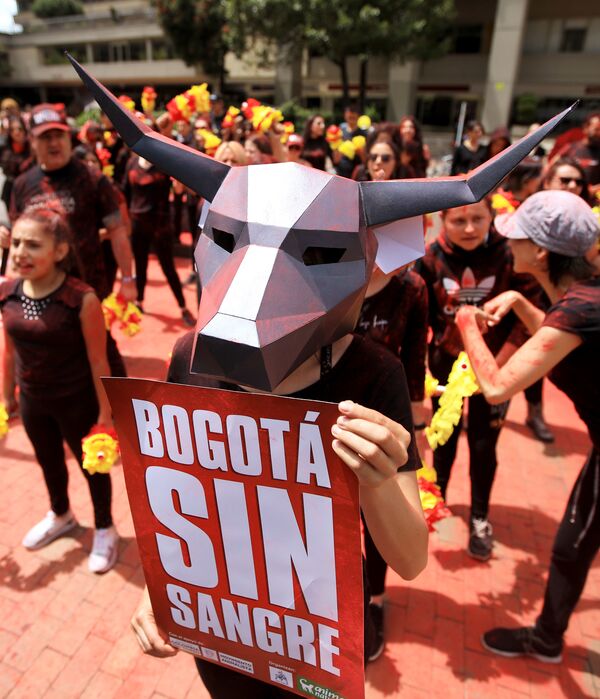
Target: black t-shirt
x=89, y=201
x=578, y=374
x=316, y=151
x=465, y=159
x=397, y=318
x=366, y=373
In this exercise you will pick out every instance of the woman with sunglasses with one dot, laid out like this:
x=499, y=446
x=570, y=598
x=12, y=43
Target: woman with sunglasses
x=549, y=236
x=567, y=175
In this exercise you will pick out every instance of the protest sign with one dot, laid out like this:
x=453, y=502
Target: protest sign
x=248, y=530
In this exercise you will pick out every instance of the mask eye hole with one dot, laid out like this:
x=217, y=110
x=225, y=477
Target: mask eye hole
x=223, y=239
x=316, y=255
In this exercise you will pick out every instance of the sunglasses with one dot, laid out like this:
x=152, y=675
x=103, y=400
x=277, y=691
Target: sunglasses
x=294, y=148
x=384, y=157
x=567, y=181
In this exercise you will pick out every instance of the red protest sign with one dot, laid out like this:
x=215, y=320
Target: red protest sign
x=248, y=530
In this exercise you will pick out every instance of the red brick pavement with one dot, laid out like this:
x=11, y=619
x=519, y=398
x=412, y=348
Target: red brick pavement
x=65, y=632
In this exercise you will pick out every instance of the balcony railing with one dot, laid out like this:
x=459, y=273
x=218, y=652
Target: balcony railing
x=91, y=20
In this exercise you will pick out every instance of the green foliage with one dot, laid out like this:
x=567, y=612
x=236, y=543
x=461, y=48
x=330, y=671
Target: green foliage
x=395, y=29
x=92, y=114
x=525, y=108
x=196, y=29
x=56, y=8
x=293, y=111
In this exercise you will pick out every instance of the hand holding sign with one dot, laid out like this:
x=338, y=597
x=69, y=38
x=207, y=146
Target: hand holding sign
x=369, y=443
x=146, y=631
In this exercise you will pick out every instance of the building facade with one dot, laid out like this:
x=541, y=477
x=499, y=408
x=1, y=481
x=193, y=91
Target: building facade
x=512, y=60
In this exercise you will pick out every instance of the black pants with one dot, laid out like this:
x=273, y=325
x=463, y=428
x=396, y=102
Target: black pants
x=575, y=547
x=485, y=423
x=144, y=234
x=47, y=423
x=115, y=360
x=533, y=393
x=375, y=564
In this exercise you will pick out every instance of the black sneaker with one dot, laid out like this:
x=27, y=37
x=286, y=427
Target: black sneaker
x=376, y=612
x=513, y=643
x=481, y=541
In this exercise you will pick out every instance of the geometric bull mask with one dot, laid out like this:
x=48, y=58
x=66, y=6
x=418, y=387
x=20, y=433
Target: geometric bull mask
x=286, y=251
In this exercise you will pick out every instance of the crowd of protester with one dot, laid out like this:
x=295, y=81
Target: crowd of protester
x=82, y=209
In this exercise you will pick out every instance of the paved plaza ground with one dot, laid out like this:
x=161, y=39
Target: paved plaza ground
x=65, y=632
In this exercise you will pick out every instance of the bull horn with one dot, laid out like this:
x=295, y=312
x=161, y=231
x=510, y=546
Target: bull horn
x=396, y=199
x=194, y=169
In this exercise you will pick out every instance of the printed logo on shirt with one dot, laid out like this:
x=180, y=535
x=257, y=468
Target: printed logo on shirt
x=61, y=201
x=376, y=324
x=468, y=291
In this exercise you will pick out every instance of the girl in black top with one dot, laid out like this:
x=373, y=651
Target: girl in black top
x=550, y=235
x=55, y=352
x=471, y=153
x=316, y=149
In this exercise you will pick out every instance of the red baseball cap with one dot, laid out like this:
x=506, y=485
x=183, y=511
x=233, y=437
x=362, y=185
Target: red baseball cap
x=45, y=117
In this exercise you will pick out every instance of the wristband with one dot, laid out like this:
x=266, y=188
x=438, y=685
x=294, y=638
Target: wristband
x=126, y=280
x=420, y=427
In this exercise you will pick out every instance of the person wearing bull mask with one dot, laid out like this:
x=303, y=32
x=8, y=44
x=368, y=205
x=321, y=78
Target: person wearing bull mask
x=254, y=248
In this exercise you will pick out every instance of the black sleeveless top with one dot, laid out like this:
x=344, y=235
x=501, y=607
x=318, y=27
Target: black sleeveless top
x=50, y=352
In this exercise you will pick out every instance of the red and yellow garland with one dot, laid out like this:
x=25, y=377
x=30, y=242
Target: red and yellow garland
x=460, y=385
x=432, y=502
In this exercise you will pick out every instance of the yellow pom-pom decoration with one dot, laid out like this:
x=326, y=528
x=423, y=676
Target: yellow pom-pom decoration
x=364, y=122
x=460, y=385
x=3, y=421
x=128, y=314
x=100, y=450
x=199, y=98
x=431, y=386
x=359, y=142
x=347, y=148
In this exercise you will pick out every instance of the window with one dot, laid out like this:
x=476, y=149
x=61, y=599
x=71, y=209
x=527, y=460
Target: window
x=117, y=52
x=135, y=51
x=54, y=55
x=101, y=53
x=573, y=40
x=162, y=50
x=468, y=38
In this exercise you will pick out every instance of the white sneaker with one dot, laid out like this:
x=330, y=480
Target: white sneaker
x=105, y=550
x=50, y=528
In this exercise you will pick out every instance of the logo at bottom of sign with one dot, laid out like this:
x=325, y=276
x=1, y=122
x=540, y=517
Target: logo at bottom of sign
x=316, y=690
x=281, y=676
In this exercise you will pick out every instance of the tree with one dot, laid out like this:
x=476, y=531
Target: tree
x=56, y=8
x=197, y=30
x=396, y=29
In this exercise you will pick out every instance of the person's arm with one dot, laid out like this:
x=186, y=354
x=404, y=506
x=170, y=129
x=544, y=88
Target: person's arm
x=94, y=335
x=8, y=375
x=274, y=135
x=374, y=446
x=531, y=316
x=119, y=239
x=543, y=351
